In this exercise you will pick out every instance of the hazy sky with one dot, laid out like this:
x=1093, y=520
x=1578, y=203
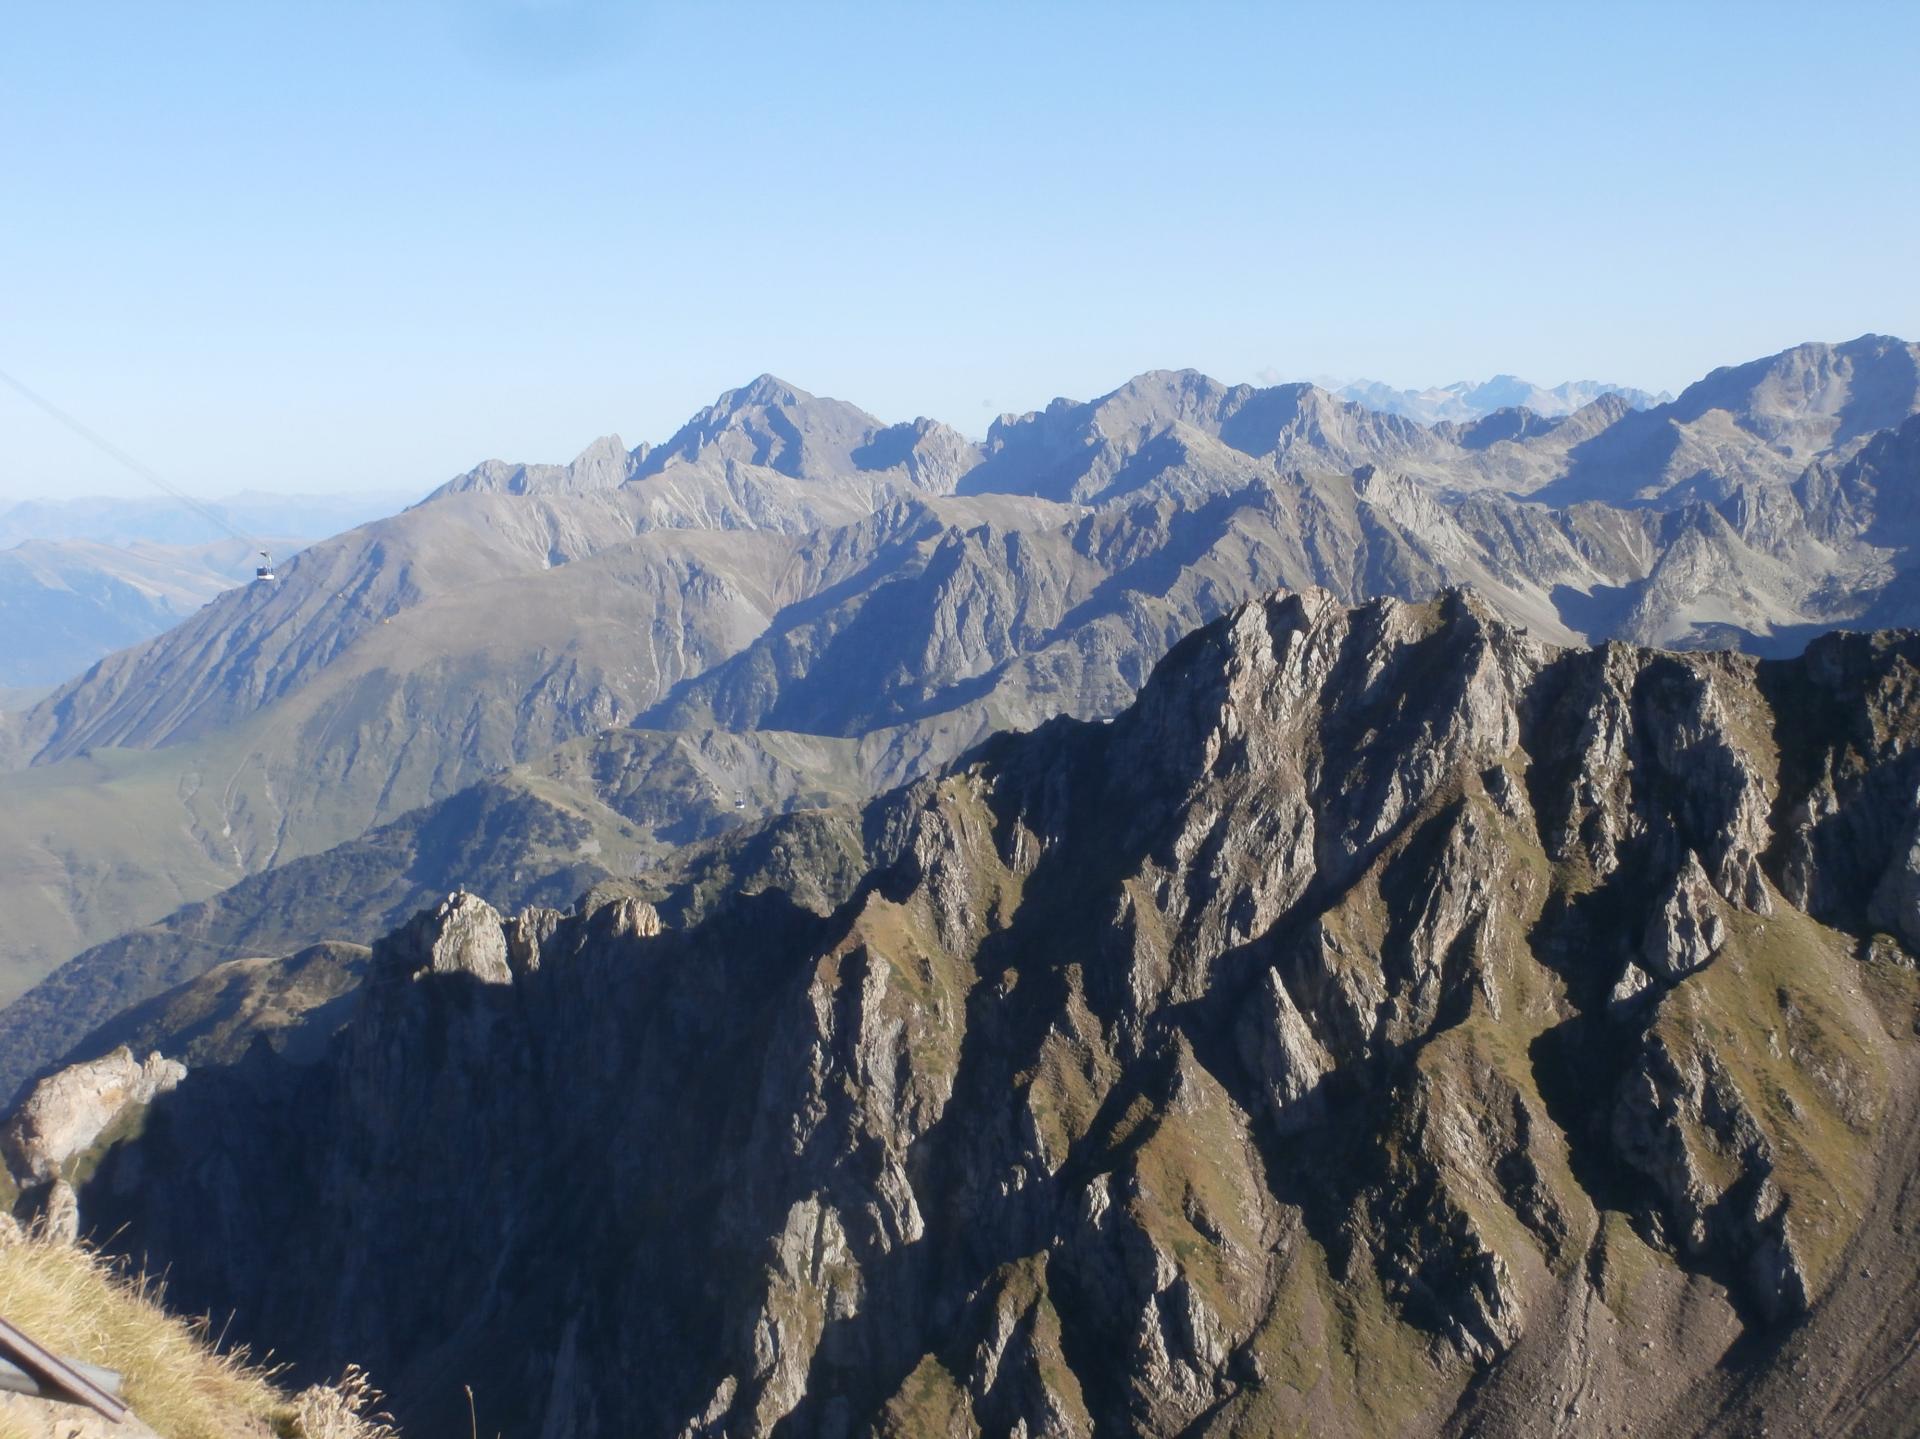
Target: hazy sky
x=306, y=246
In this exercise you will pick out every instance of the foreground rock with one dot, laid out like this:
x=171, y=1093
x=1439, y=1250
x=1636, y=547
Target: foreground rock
x=1390, y=1023
x=67, y=1112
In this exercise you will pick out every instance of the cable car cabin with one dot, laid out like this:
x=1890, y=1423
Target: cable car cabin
x=264, y=570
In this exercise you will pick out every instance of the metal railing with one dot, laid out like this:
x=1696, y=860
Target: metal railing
x=27, y=1368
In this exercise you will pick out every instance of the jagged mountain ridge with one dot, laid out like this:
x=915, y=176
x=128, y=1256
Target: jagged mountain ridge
x=1388, y=1022
x=776, y=436
x=790, y=560
x=769, y=456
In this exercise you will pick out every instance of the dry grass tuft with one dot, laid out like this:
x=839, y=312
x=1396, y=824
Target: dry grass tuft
x=349, y=1408
x=179, y=1383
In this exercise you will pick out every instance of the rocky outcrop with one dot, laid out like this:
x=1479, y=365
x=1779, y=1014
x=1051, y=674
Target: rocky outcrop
x=462, y=936
x=1279, y=1046
x=1384, y=1005
x=59, y=1217
x=1686, y=931
x=67, y=1112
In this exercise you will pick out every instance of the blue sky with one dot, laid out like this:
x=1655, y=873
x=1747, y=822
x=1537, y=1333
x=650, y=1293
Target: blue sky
x=345, y=246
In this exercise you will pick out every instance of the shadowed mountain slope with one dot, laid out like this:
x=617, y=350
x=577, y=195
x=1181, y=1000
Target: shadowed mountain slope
x=1390, y=1022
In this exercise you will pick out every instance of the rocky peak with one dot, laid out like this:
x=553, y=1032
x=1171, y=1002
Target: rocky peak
x=933, y=456
x=761, y=392
x=1085, y=452
x=463, y=935
x=771, y=424
x=602, y=466
x=1814, y=391
x=1159, y=399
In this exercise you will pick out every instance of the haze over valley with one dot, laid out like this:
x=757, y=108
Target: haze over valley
x=80, y=579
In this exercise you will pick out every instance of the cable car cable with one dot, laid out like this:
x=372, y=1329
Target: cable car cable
x=114, y=452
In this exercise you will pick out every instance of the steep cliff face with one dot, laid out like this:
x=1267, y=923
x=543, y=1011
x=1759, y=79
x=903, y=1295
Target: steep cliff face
x=1389, y=1023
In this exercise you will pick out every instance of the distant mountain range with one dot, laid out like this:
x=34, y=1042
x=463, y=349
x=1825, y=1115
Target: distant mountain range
x=1475, y=400
x=790, y=569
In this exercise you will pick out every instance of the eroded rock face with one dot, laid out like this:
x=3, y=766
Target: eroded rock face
x=60, y=1213
x=1296, y=1053
x=67, y=1111
x=1686, y=931
x=462, y=936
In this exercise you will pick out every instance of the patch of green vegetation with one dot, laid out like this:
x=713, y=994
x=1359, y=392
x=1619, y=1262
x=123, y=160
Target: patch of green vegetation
x=930, y=1403
x=1292, y=1339
x=1626, y=1267
x=94, y=845
x=1128, y=1126
x=1782, y=1009
x=1337, y=1348
x=904, y=938
x=1061, y=1097
x=1385, y=1365
x=1481, y=1069
x=1197, y=1195
x=974, y=822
